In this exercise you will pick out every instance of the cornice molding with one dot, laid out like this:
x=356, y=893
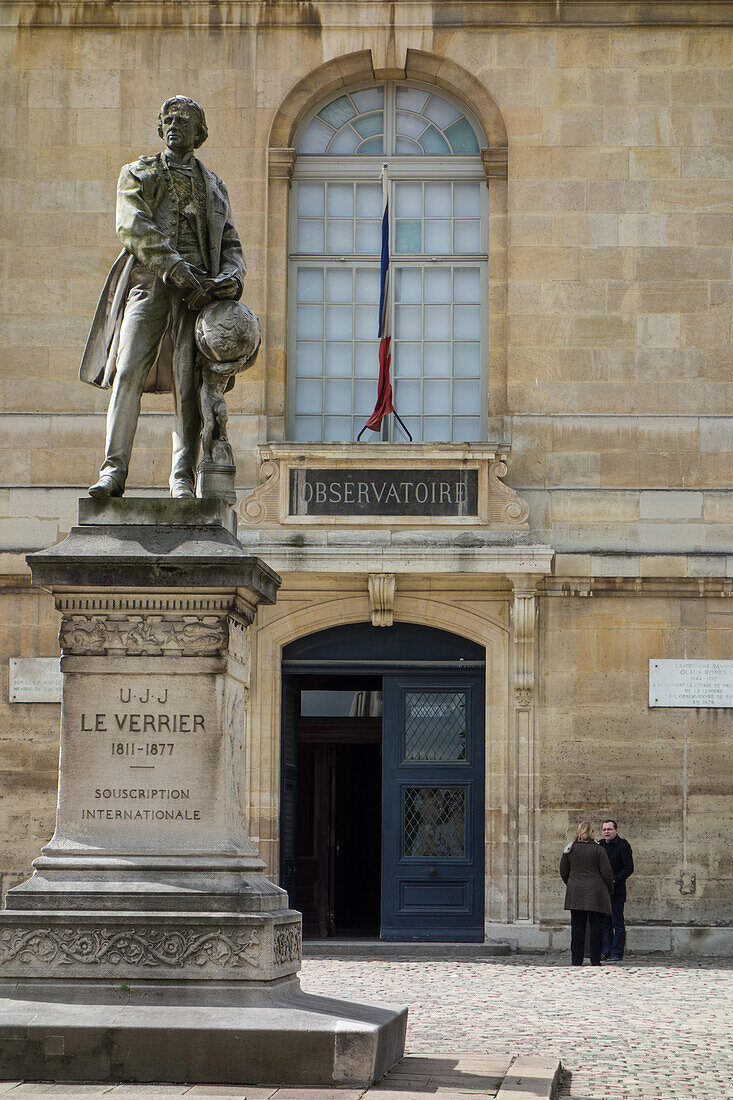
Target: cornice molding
x=451, y=14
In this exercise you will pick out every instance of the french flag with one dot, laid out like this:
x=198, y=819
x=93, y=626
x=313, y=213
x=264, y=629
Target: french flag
x=384, y=403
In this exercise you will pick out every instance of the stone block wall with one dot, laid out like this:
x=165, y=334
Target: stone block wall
x=29, y=734
x=666, y=775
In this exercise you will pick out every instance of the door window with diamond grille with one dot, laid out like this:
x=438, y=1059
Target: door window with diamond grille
x=439, y=241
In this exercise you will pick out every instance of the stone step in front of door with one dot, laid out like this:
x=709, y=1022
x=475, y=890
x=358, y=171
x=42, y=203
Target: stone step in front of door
x=336, y=948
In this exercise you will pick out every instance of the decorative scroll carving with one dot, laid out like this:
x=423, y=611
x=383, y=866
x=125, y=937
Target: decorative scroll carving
x=505, y=506
x=381, y=598
x=523, y=616
x=98, y=945
x=287, y=943
x=262, y=505
x=98, y=635
x=495, y=162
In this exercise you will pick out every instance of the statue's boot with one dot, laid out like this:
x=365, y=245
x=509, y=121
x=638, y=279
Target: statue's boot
x=105, y=487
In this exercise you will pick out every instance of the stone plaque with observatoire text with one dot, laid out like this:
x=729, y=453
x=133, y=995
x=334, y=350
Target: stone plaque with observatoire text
x=384, y=492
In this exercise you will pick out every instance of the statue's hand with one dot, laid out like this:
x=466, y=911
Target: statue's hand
x=224, y=286
x=183, y=277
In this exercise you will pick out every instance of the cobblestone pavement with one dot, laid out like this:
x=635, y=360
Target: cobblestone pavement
x=638, y=1030
x=641, y=1030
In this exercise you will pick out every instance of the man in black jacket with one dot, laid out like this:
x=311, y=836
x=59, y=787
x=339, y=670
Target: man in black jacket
x=621, y=859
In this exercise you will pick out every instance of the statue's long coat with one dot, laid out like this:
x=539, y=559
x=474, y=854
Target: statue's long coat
x=147, y=226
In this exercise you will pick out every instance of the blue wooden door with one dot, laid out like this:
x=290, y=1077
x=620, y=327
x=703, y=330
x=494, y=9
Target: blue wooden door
x=433, y=807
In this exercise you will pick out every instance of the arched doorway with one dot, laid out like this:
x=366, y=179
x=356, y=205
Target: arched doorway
x=382, y=818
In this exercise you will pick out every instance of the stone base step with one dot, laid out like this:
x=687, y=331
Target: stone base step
x=335, y=948
x=124, y=1034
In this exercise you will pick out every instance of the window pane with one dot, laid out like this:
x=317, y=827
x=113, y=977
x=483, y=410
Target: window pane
x=369, y=99
x=309, y=359
x=337, y=429
x=316, y=138
x=407, y=360
x=437, y=237
x=366, y=322
x=440, y=111
x=308, y=397
x=372, y=147
x=366, y=361
x=414, y=427
x=367, y=284
x=438, y=200
x=407, y=147
x=436, y=397
x=436, y=360
x=408, y=200
x=467, y=200
x=338, y=360
x=466, y=360
x=408, y=284
x=466, y=284
x=310, y=284
x=410, y=125
x=408, y=322
x=340, y=236
x=307, y=429
x=407, y=398
x=462, y=138
x=344, y=143
x=436, y=429
x=340, y=200
x=437, y=323
x=434, y=823
x=309, y=322
x=434, y=143
x=338, y=397
x=466, y=397
x=310, y=235
x=467, y=236
x=365, y=396
x=437, y=284
x=435, y=725
x=408, y=237
x=412, y=99
x=369, y=200
x=338, y=285
x=368, y=237
x=467, y=321
x=339, y=322
x=338, y=111
x=310, y=200
x=466, y=429
x=369, y=125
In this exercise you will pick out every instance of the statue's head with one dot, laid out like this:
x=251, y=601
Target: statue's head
x=182, y=122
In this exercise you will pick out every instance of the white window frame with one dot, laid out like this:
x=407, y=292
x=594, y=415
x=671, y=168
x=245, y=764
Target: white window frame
x=355, y=168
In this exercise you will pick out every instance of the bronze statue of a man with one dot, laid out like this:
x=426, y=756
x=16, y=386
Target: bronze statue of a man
x=181, y=250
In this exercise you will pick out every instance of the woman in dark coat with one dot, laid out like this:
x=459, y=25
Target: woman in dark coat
x=585, y=870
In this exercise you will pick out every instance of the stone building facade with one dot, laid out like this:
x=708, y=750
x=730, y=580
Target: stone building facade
x=601, y=138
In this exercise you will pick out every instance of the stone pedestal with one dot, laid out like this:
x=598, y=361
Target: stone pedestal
x=148, y=944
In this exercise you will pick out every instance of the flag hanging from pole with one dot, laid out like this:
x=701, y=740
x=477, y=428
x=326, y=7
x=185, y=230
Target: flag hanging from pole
x=384, y=403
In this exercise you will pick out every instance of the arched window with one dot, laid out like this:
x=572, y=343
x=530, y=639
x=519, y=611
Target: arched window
x=438, y=249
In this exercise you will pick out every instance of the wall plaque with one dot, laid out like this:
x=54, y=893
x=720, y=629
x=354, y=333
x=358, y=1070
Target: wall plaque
x=366, y=491
x=35, y=680
x=690, y=683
